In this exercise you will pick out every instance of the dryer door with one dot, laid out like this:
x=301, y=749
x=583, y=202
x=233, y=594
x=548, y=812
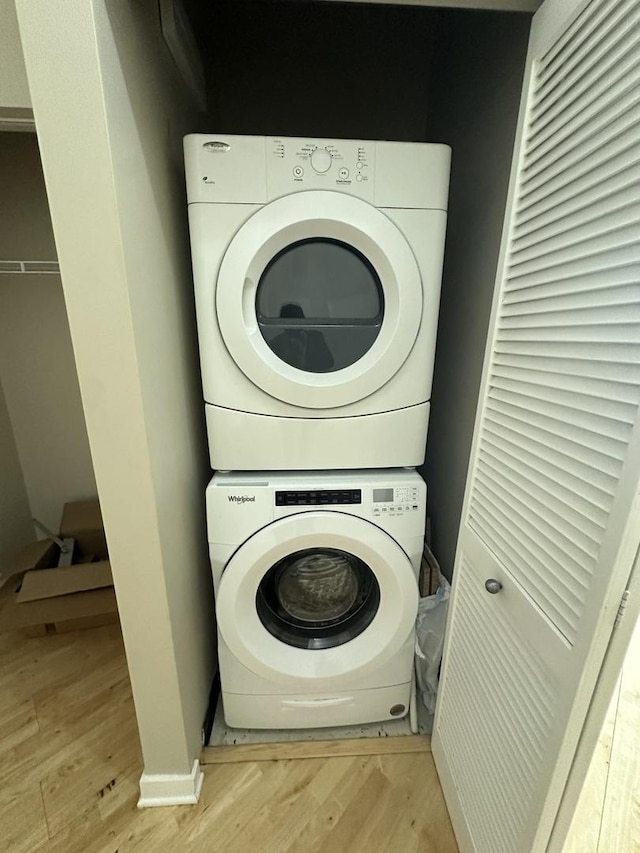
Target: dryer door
x=317, y=595
x=319, y=299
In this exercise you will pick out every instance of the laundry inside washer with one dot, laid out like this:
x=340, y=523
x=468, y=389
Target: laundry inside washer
x=318, y=598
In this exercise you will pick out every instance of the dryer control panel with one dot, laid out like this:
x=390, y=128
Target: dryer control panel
x=228, y=169
x=343, y=165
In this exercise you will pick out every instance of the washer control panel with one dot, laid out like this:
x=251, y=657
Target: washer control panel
x=318, y=497
x=238, y=504
x=395, y=501
x=303, y=164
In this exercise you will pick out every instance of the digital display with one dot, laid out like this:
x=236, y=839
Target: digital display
x=382, y=495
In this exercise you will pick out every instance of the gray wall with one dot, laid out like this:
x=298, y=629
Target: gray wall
x=37, y=367
x=14, y=90
x=25, y=221
x=317, y=69
x=478, y=65
x=16, y=529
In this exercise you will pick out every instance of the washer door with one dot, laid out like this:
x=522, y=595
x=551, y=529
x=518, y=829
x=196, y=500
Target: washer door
x=319, y=299
x=317, y=595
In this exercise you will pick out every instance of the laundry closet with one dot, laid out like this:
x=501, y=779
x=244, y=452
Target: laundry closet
x=403, y=73
x=548, y=536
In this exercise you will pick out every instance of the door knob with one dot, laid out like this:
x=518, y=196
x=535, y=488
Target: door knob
x=493, y=586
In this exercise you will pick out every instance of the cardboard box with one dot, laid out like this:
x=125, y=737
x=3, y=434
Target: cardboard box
x=429, y=579
x=61, y=612
x=82, y=520
x=50, y=583
x=40, y=598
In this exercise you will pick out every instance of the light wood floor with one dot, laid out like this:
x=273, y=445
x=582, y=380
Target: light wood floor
x=607, y=819
x=70, y=763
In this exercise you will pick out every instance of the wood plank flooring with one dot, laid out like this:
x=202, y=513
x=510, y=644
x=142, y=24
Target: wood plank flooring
x=70, y=763
x=620, y=829
x=607, y=819
x=584, y=834
x=226, y=754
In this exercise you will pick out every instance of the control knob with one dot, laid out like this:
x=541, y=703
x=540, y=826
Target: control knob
x=321, y=160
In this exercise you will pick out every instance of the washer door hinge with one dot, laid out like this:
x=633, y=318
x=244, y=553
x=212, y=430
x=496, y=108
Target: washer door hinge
x=622, y=607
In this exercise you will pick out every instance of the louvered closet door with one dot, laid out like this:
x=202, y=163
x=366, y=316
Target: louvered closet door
x=550, y=509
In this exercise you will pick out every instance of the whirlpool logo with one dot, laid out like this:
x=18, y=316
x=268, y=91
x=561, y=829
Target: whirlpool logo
x=241, y=499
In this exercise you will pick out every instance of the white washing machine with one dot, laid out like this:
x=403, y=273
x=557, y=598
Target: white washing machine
x=315, y=578
x=317, y=266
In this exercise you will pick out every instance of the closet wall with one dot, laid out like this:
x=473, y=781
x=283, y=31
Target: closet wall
x=477, y=71
x=313, y=69
x=111, y=111
x=14, y=90
x=16, y=528
x=399, y=73
x=37, y=368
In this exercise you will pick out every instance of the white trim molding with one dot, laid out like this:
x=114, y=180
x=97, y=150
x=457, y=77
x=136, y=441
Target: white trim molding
x=171, y=789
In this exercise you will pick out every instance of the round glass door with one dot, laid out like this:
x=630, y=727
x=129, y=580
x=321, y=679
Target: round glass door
x=319, y=299
x=316, y=595
x=318, y=598
x=319, y=305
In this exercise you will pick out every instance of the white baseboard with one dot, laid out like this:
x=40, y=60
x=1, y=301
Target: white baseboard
x=171, y=789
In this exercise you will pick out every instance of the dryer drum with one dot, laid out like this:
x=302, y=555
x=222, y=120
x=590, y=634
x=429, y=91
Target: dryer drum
x=318, y=598
x=319, y=305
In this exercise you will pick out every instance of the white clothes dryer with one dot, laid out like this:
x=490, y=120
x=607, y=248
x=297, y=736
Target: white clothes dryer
x=315, y=577
x=317, y=267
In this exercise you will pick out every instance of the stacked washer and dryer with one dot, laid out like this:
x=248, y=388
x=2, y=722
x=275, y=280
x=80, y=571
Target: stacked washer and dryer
x=317, y=266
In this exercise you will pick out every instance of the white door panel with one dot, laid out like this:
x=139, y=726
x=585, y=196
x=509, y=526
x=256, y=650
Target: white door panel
x=550, y=509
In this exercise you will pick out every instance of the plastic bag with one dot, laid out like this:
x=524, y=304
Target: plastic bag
x=430, y=625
